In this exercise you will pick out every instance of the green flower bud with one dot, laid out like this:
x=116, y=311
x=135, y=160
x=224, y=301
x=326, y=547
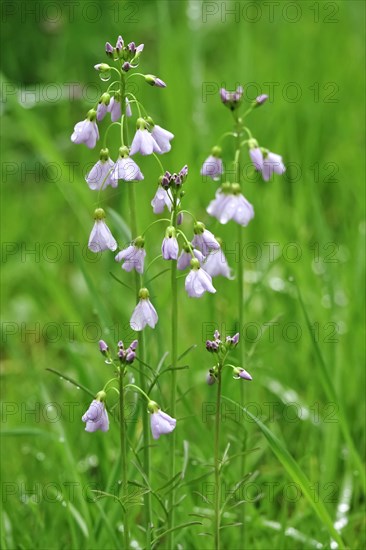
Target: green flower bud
x=144, y=293
x=99, y=214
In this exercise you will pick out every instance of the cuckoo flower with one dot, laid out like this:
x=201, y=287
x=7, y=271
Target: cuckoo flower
x=161, y=136
x=216, y=264
x=143, y=142
x=96, y=417
x=198, y=281
x=185, y=257
x=241, y=373
x=144, y=313
x=100, y=176
x=103, y=106
x=169, y=248
x=126, y=168
x=213, y=164
x=100, y=237
x=203, y=239
x=161, y=423
x=86, y=131
x=114, y=108
x=154, y=81
x=161, y=200
x=272, y=163
x=230, y=204
x=133, y=256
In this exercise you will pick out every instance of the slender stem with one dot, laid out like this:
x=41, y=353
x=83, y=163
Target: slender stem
x=141, y=339
x=123, y=438
x=174, y=361
x=217, y=461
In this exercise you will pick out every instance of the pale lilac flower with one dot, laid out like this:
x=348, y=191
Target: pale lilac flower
x=161, y=423
x=242, y=373
x=143, y=142
x=144, y=313
x=256, y=156
x=210, y=379
x=227, y=206
x=126, y=168
x=155, y=81
x=102, y=110
x=96, y=417
x=161, y=199
x=233, y=340
x=162, y=138
x=261, y=99
x=198, y=281
x=100, y=176
x=272, y=163
x=204, y=240
x=114, y=108
x=185, y=257
x=128, y=108
x=100, y=237
x=216, y=264
x=86, y=131
x=212, y=167
x=170, y=248
x=133, y=257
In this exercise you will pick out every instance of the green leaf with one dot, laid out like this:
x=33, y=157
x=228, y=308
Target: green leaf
x=294, y=470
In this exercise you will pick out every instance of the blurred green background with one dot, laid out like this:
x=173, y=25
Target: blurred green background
x=58, y=300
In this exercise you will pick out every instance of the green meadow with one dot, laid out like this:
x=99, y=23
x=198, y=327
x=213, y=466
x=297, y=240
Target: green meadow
x=293, y=440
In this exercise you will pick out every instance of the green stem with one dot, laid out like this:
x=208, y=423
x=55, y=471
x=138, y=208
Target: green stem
x=174, y=361
x=217, y=461
x=138, y=285
x=123, y=439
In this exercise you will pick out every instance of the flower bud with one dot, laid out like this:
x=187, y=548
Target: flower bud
x=210, y=378
x=103, y=347
x=154, y=81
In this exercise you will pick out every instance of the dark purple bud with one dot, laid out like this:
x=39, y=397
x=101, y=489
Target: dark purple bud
x=122, y=355
x=261, y=99
x=160, y=83
x=235, y=338
x=103, y=347
x=132, y=47
x=184, y=171
x=126, y=66
x=217, y=335
x=165, y=180
x=119, y=43
x=109, y=48
x=130, y=356
x=180, y=218
x=120, y=344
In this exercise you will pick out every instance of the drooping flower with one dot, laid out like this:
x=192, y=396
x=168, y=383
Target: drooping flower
x=161, y=200
x=242, y=373
x=170, y=248
x=114, y=108
x=213, y=164
x=103, y=105
x=126, y=168
x=144, y=313
x=96, y=417
x=162, y=137
x=128, y=108
x=203, y=239
x=216, y=264
x=232, y=100
x=185, y=257
x=198, y=281
x=161, y=423
x=272, y=163
x=86, y=131
x=100, y=176
x=210, y=378
x=256, y=156
x=143, y=142
x=133, y=256
x=230, y=204
x=154, y=81
x=100, y=237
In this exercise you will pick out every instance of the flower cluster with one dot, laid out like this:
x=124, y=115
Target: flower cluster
x=222, y=349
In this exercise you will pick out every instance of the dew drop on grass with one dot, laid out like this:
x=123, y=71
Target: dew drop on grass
x=63, y=503
x=61, y=439
x=40, y=456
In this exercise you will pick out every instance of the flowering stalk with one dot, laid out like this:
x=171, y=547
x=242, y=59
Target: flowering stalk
x=123, y=441
x=217, y=459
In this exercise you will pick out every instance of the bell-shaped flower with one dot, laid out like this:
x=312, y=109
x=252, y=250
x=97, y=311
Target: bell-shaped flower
x=144, y=313
x=185, y=257
x=161, y=136
x=143, y=142
x=161, y=423
x=213, y=166
x=126, y=168
x=256, y=156
x=96, y=417
x=198, y=281
x=103, y=106
x=86, y=131
x=100, y=237
x=115, y=108
x=203, y=239
x=170, y=248
x=216, y=264
x=133, y=256
x=161, y=200
x=272, y=163
x=230, y=204
x=100, y=176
